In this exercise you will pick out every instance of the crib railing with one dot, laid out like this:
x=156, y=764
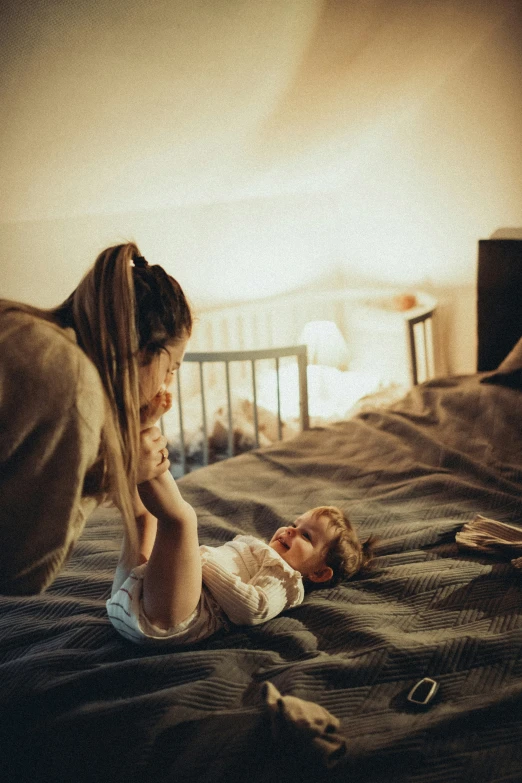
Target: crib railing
x=420, y=346
x=400, y=345
x=249, y=360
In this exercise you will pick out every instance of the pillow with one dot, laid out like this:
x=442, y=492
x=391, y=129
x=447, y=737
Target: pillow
x=509, y=371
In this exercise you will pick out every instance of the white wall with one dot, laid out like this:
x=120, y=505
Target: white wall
x=256, y=147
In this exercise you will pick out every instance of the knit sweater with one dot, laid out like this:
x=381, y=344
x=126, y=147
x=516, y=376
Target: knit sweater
x=250, y=581
x=244, y=581
x=51, y=417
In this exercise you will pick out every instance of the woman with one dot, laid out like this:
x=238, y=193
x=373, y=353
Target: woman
x=80, y=385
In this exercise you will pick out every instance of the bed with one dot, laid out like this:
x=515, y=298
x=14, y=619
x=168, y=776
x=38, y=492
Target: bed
x=80, y=704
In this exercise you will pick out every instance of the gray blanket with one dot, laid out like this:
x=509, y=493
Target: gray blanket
x=78, y=703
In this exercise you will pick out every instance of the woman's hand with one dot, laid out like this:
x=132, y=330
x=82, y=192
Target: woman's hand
x=154, y=456
x=154, y=410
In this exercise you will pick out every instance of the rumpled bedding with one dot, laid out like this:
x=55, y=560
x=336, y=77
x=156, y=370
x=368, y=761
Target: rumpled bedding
x=79, y=703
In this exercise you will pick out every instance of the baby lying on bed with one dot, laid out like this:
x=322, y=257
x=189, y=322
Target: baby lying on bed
x=187, y=592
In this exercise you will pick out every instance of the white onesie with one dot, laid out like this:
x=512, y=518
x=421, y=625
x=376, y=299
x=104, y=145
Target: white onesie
x=244, y=581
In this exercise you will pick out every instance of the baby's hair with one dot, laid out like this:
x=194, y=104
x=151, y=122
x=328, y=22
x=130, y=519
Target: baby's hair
x=346, y=555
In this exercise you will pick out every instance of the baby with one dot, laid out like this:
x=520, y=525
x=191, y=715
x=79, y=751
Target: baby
x=187, y=592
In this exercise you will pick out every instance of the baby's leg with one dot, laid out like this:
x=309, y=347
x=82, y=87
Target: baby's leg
x=172, y=578
x=146, y=525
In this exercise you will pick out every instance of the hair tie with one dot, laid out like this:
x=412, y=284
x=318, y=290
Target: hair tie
x=140, y=262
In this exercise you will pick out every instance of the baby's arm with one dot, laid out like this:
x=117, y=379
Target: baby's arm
x=172, y=579
x=265, y=596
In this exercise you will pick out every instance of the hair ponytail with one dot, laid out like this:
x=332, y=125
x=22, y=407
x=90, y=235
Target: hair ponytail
x=123, y=312
x=103, y=311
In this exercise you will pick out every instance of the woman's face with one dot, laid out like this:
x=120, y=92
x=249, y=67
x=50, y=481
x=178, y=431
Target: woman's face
x=156, y=376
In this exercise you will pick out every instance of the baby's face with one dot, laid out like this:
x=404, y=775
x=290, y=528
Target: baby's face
x=305, y=544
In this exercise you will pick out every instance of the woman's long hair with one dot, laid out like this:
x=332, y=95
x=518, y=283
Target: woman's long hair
x=123, y=312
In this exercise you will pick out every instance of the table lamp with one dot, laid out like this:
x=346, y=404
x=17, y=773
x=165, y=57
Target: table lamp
x=325, y=343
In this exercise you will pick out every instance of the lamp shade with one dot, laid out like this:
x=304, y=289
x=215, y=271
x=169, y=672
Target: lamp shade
x=325, y=343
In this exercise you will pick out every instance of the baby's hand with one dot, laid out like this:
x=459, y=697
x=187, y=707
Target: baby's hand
x=154, y=410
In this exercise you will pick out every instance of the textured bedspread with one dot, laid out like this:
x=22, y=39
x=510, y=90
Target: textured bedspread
x=78, y=703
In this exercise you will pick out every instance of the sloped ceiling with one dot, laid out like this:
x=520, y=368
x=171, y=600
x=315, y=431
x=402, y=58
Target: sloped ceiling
x=112, y=107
